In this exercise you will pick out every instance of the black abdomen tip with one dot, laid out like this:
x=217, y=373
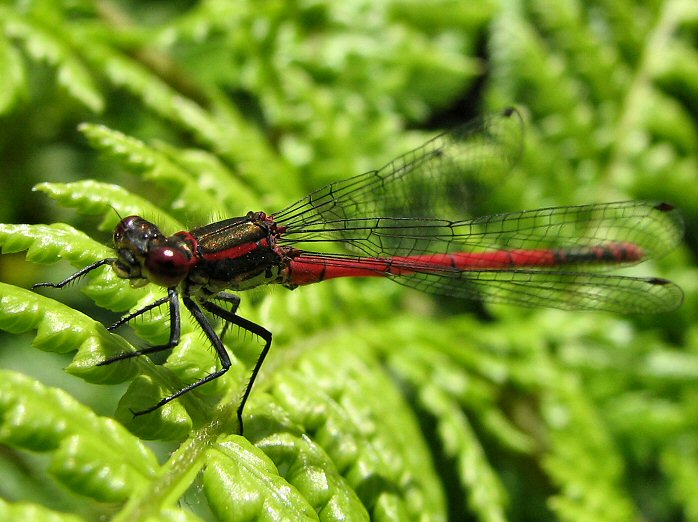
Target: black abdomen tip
x=664, y=207
x=659, y=281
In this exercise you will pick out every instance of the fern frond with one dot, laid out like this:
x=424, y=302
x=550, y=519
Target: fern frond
x=91, y=455
x=44, y=43
x=374, y=403
x=11, y=75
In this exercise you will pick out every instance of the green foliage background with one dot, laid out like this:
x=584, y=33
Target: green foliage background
x=376, y=402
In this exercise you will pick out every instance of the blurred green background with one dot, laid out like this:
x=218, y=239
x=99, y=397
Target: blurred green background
x=570, y=416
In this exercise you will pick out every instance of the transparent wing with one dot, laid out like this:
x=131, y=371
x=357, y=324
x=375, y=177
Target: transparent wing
x=653, y=227
x=422, y=203
x=553, y=289
x=438, y=179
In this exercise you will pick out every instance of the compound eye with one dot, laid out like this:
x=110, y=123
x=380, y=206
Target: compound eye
x=126, y=225
x=136, y=234
x=167, y=266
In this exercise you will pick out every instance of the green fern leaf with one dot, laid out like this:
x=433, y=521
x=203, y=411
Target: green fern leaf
x=237, y=470
x=42, y=43
x=92, y=456
x=374, y=403
x=24, y=511
x=94, y=198
x=11, y=76
x=61, y=329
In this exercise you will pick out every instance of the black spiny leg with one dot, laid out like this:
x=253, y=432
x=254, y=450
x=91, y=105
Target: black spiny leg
x=234, y=301
x=175, y=329
x=245, y=324
x=128, y=318
x=76, y=275
x=217, y=345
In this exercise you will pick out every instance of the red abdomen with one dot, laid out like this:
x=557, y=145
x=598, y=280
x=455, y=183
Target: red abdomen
x=307, y=268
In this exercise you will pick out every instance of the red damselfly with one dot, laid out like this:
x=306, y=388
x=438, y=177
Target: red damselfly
x=390, y=223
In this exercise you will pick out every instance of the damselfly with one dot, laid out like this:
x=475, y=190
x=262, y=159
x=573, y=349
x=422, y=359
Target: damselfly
x=411, y=221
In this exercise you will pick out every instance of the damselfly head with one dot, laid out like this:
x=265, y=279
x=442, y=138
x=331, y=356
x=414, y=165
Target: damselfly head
x=136, y=234
x=133, y=238
x=146, y=255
